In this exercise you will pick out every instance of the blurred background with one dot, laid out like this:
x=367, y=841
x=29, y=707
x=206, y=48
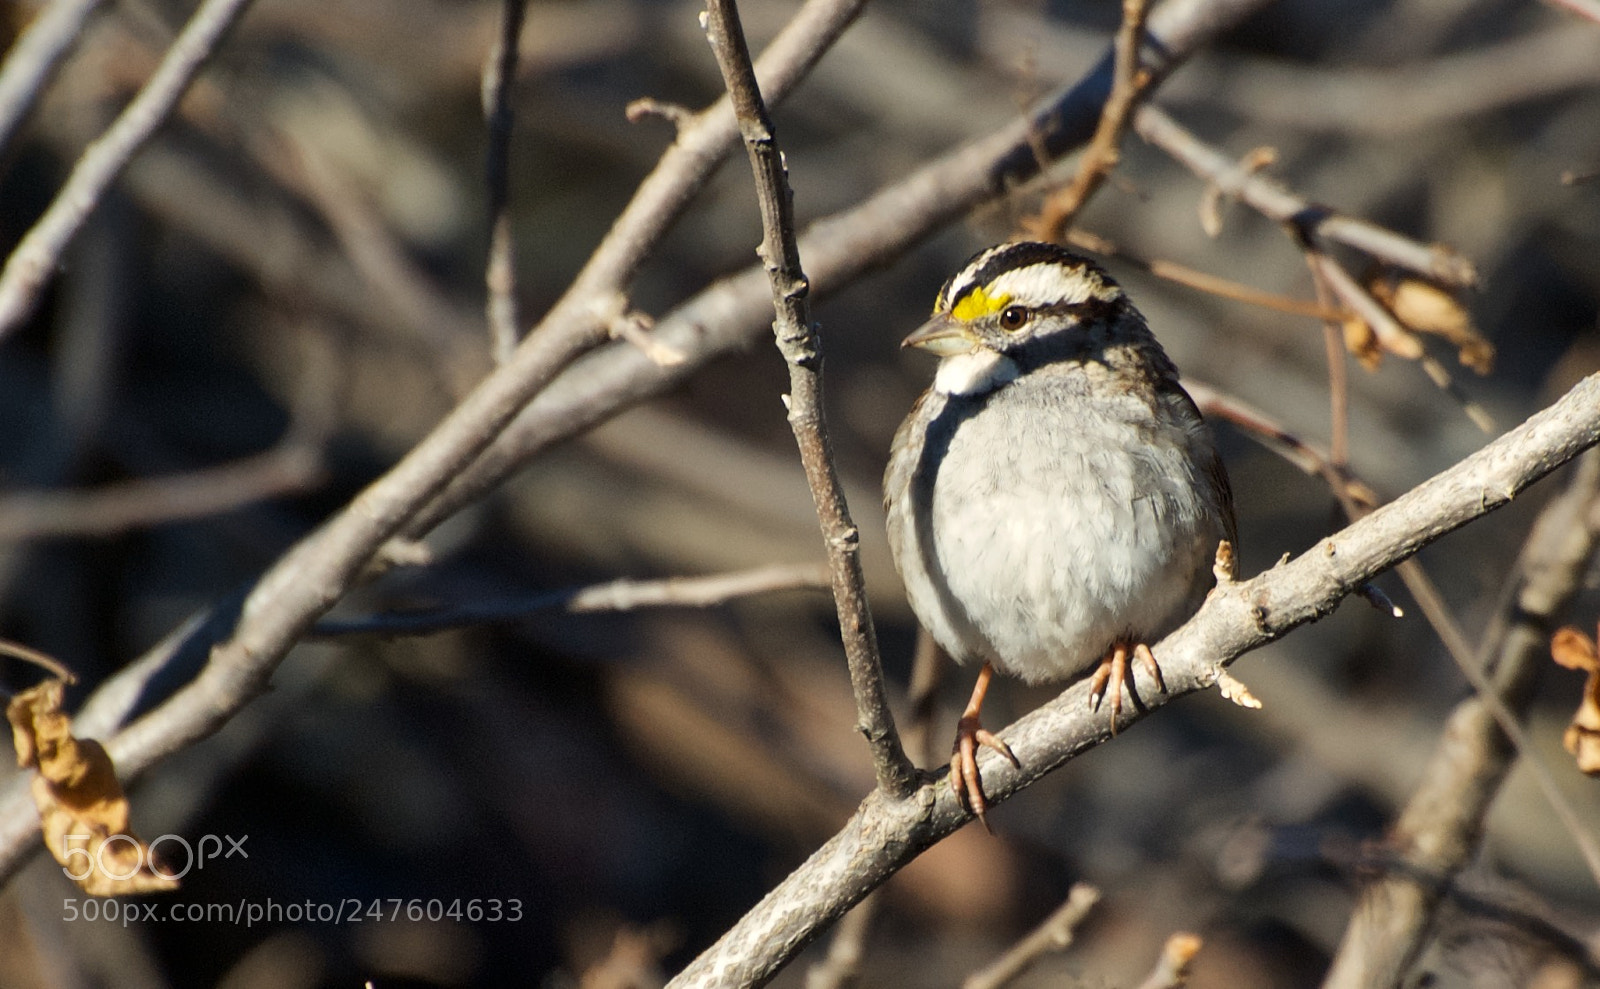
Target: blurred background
x=288, y=283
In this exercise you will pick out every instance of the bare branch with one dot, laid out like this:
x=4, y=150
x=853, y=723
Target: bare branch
x=798, y=342
x=33, y=262
x=113, y=508
x=245, y=641
x=1201, y=281
x=499, y=71
x=33, y=60
x=1054, y=934
x=1277, y=203
x=1441, y=826
x=1128, y=88
x=884, y=834
x=616, y=595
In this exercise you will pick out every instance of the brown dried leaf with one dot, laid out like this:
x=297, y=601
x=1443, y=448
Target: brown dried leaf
x=1576, y=651
x=1362, y=342
x=1427, y=308
x=81, y=805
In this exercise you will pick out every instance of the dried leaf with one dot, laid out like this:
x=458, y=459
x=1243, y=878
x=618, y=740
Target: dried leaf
x=1427, y=308
x=1362, y=342
x=81, y=805
x=1576, y=651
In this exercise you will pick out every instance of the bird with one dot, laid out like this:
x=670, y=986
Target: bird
x=1054, y=500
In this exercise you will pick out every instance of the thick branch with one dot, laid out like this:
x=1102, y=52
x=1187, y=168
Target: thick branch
x=884, y=834
x=1441, y=827
x=801, y=349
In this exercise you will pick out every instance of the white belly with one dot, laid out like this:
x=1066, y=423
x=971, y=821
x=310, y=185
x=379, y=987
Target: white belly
x=1052, y=541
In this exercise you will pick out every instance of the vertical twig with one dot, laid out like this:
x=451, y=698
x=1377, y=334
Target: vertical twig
x=1338, y=374
x=797, y=341
x=499, y=75
x=34, y=58
x=32, y=263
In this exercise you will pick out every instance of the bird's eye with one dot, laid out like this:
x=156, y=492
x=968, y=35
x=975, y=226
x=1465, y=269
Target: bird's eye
x=1013, y=318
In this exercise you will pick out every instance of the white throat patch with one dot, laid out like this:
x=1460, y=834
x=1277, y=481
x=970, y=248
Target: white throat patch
x=977, y=373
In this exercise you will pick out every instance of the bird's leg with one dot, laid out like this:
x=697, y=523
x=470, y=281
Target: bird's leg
x=970, y=733
x=1113, y=673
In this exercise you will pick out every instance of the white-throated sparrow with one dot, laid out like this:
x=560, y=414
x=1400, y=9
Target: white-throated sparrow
x=1054, y=500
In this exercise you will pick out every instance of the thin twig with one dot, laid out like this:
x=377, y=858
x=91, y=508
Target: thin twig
x=1054, y=934
x=798, y=342
x=1338, y=374
x=44, y=661
x=1273, y=435
x=1203, y=281
x=884, y=834
x=33, y=262
x=1128, y=87
x=1393, y=337
x=499, y=74
x=616, y=595
x=33, y=60
x=118, y=507
x=1277, y=203
x=1172, y=968
x=1441, y=826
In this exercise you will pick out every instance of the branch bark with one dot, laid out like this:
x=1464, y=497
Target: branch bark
x=1441, y=827
x=798, y=342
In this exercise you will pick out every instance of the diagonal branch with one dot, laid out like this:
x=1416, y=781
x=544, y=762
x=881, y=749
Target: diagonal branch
x=1277, y=203
x=33, y=262
x=33, y=60
x=801, y=349
x=1129, y=86
x=885, y=834
x=1441, y=827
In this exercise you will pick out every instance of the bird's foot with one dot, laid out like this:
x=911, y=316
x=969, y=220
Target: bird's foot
x=1113, y=673
x=965, y=779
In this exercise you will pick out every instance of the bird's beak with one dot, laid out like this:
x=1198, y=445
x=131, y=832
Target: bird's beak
x=943, y=336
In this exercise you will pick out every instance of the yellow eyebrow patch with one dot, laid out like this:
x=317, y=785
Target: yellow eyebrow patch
x=978, y=303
